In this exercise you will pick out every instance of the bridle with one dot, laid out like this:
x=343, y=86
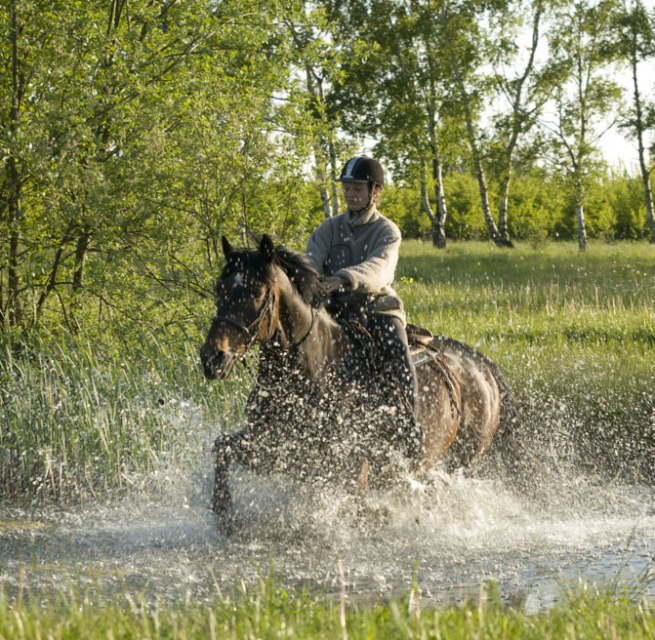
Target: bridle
x=252, y=330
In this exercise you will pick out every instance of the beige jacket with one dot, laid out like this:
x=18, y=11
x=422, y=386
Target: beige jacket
x=363, y=250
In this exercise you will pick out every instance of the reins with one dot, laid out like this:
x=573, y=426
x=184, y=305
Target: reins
x=252, y=330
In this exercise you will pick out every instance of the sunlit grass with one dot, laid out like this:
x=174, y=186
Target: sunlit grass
x=98, y=412
x=551, y=300
x=272, y=612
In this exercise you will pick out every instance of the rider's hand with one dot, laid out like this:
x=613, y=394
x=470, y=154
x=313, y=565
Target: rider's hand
x=331, y=284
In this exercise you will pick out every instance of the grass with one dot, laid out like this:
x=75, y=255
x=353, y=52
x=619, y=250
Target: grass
x=551, y=295
x=79, y=419
x=272, y=612
x=573, y=332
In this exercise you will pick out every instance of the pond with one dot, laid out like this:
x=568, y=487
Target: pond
x=447, y=535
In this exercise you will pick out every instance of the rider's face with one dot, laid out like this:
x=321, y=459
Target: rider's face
x=356, y=195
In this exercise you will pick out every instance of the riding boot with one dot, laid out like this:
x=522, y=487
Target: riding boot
x=398, y=383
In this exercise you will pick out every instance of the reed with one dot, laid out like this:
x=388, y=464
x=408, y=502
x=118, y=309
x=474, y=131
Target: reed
x=573, y=332
x=270, y=611
x=78, y=420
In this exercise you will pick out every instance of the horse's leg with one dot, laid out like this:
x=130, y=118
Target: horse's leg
x=247, y=448
x=229, y=448
x=361, y=484
x=222, y=498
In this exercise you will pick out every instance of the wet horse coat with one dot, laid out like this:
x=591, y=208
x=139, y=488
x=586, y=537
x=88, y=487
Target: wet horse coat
x=314, y=411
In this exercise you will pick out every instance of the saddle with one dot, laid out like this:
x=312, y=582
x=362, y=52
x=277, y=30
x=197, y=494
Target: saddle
x=421, y=344
x=418, y=336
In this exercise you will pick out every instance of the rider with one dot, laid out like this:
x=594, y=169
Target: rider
x=357, y=252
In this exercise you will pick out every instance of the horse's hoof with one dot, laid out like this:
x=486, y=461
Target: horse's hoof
x=227, y=521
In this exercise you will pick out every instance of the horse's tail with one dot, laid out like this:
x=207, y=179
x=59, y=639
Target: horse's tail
x=510, y=457
x=509, y=414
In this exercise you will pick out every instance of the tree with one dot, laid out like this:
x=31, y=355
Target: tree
x=525, y=85
x=133, y=136
x=394, y=88
x=585, y=97
x=631, y=42
x=318, y=61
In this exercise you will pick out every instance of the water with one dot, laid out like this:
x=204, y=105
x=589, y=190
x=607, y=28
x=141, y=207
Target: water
x=447, y=534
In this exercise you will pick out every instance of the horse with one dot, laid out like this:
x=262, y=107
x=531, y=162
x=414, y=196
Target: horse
x=312, y=412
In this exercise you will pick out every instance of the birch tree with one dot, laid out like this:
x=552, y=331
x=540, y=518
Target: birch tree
x=525, y=84
x=466, y=51
x=632, y=42
x=317, y=61
x=395, y=91
x=585, y=100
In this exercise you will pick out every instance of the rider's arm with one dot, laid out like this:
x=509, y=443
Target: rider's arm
x=318, y=246
x=377, y=270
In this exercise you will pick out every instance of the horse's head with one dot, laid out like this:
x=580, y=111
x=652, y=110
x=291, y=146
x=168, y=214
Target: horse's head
x=245, y=308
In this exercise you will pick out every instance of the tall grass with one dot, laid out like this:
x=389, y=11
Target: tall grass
x=78, y=418
x=272, y=612
x=573, y=332
x=553, y=295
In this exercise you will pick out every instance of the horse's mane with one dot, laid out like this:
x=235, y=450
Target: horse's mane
x=300, y=272
x=297, y=267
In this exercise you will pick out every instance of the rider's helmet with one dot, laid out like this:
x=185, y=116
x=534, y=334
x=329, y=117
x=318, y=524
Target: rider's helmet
x=362, y=169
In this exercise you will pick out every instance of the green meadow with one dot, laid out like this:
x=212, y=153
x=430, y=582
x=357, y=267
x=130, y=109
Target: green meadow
x=574, y=334
x=272, y=612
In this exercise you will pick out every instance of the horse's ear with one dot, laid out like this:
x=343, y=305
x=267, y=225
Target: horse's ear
x=267, y=248
x=227, y=247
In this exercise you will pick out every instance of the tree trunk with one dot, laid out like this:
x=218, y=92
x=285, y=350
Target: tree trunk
x=333, y=176
x=439, y=220
x=648, y=196
x=438, y=236
x=643, y=169
x=13, y=183
x=329, y=197
x=81, y=249
x=503, y=227
x=579, y=217
x=51, y=284
x=492, y=229
x=322, y=185
x=14, y=309
x=518, y=127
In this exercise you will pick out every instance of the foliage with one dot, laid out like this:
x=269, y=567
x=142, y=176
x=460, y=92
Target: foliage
x=133, y=137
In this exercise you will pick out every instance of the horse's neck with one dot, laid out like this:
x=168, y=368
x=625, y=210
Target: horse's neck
x=309, y=334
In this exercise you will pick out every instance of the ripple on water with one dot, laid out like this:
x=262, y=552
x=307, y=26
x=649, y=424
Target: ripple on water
x=447, y=533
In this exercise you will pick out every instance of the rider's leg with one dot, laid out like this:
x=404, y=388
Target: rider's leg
x=400, y=375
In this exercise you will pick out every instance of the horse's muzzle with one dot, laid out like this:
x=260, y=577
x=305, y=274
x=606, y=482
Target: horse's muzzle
x=216, y=364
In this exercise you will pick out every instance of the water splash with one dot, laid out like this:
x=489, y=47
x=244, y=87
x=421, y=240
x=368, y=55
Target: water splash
x=447, y=533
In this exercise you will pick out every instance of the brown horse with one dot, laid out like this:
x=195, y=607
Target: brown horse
x=313, y=411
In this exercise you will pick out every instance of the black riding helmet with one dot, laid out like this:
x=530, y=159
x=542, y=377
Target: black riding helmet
x=362, y=169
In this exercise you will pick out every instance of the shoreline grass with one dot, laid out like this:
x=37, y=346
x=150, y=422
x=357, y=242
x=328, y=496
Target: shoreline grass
x=271, y=611
x=88, y=414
